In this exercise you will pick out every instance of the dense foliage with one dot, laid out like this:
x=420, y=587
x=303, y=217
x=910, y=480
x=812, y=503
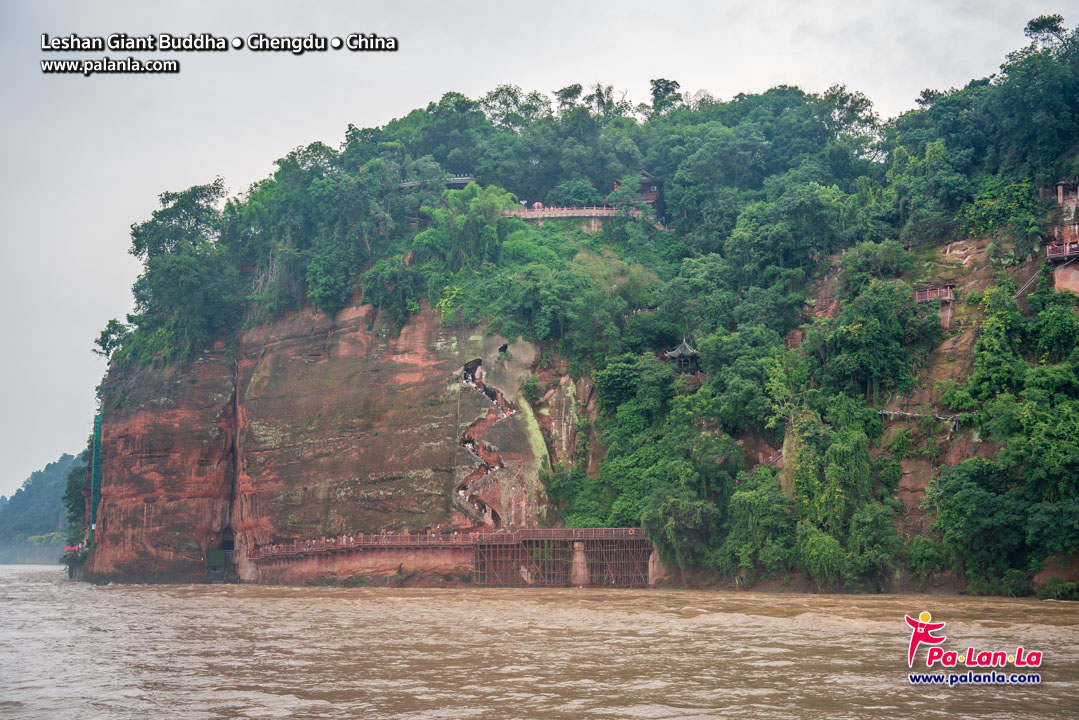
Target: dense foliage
x=1010, y=514
x=33, y=519
x=760, y=194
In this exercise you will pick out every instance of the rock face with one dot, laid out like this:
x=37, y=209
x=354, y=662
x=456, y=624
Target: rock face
x=315, y=426
x=168, y=467
x=1066, y=278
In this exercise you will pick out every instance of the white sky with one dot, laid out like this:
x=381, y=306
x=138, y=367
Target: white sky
x=84, y=158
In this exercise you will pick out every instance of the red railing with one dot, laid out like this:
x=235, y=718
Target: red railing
x=1053, y=251
x=1065, y=243
x=942, y=293
x=582, y=534
x=393, y=539
x=564, y=212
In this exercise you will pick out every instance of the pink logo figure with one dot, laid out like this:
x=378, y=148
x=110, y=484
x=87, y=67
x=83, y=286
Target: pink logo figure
x=923, y=633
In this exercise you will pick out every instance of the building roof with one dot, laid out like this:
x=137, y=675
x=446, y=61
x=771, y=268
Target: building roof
x=683, y=350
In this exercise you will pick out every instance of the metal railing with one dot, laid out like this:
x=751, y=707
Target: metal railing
x=449, y=180
x=1064, y=250
x=943, y=293
x=584, y=211
x=394, y=539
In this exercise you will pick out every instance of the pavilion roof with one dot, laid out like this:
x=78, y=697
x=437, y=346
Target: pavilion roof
x=683, y=350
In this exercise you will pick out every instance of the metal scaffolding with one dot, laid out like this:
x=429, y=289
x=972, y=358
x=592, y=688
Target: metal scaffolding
x=592, y=557
x=596, y=557
x=529, y=563
x=95, y=475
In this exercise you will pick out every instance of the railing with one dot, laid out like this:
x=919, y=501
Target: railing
x=450, y=180
x=361, y=540
x=564, y=212
x=773, y=459
x=1065, y=242
x=952, y=420
x=1061, y=251
x=942, y=293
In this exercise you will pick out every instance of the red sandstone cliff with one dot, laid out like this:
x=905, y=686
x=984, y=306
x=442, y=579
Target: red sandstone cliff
x=169, y=463
x=314, y=426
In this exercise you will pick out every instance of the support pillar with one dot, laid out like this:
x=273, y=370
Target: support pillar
x=578, y=569
x=946, y=316
x=655, y=569
x=1060, y=193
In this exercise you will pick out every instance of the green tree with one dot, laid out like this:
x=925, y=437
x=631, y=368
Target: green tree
x=664, y=95
x=184, y=218
x=680, y=525
x=575, y=193
x=737, y=365
x=189, y=294
x=1046, y=29
x=567, y=97
x=759, y=529
x=111, y=338
x=1057, y=331
x=510, y=108
x=821, y=555
x=870, y=347
x=644, y=379
x=871, y=544
x=869, y=261
x=465, y=231
x=329, y=276
x=980, y=515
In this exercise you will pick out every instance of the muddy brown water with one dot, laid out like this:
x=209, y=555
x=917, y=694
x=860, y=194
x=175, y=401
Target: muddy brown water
x=72, y=650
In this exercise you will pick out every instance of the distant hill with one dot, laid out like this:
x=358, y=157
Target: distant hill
x=32, y=520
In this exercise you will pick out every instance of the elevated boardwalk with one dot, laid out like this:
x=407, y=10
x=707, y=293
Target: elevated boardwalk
x=1064, y=245
x=453, y=182
x=595, y=214
x=945, y=293
x=557, y=213
x=565, y=557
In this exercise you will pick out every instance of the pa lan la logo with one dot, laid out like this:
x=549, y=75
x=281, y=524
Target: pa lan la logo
x=922, y=630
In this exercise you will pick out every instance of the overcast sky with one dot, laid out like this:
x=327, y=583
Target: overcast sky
x=84, y=158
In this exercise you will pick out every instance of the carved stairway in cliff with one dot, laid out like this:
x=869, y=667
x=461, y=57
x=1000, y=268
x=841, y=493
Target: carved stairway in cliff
x=564, y=557
x=466, y=497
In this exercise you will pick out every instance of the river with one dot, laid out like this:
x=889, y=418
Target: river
x=73, y=650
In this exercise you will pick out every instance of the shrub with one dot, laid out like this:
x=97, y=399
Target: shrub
x=531, y=389
x=929, y=555
x=821, y=554
x=1056, y=588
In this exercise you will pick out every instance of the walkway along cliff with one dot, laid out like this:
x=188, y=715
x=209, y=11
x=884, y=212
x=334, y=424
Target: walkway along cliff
x=577, y=557
x=313, y=427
